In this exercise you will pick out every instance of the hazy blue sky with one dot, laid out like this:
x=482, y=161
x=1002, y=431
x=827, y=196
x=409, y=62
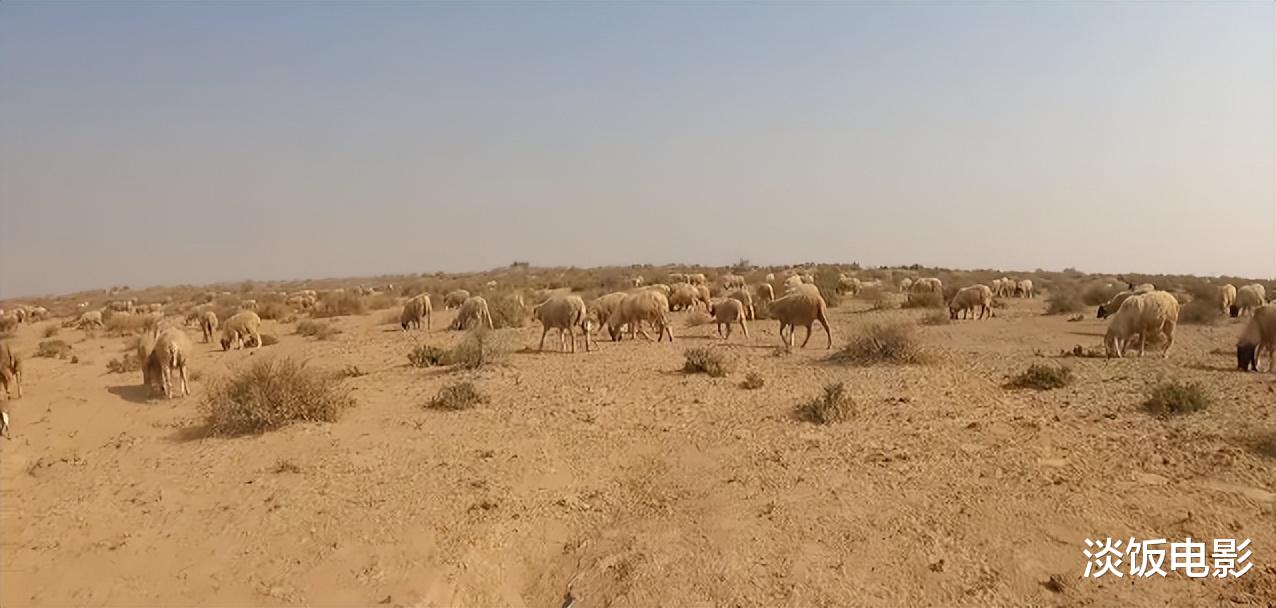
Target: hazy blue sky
x=177, y=142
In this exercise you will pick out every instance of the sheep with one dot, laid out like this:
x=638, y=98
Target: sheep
x=1259, y=336
x=1023, y=289
x=600, y=308
x=1145, y=315
x=703, y=295
x=10, y=371
x=806, y=288
x=473, y=311
x=849, y=285
x=564, y=313
x=208, y=324
x=697, y=279
x=1113, y=305
x=727, y=312
x=769, y=278
x=4, y=424
x=925, y=286
x=637, y=307
x=92, y=318
x=808, y=279
x=8, y=322
x=665, y=290
x=801, y=308
x=677, y=277
x=766, y=293
x=454, y=299
x=1227, y=297
x=168, y=351
x=241, y=327
x=967, y=299
x=746, y=299
x=905, y=285
x=416, y=308
x=248, y=304
x=791, y=281
x=1248, y=298
x=732, y=281
x=683, y=296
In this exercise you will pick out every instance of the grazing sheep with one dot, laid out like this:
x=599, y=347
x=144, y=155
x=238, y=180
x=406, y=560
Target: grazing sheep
x=8, y=322
x=967, y=299
x=1144, y=315
x=168, y=352
x=746, y=299
x=925, y=286
x=697, y=279
x=703, y=295
x=1259, y=336
x=1023, y=289
x=634, y=308
x=808, y=279
x=849, y=285
x=683, y=296
x=416, y=308
x=564, y=313
x=1113, y=305
x=473, y=312
x=454, y=299
x=732, y=281
x=208, y=324
x=804, y=308
x=241, y=327
x=88, y=319
x=766, y=293
x=600, y=308
x=664, y=290
x=10, y=371
x=1227, y=297
x=905, y=285
x=1249, y=298
x=727, y=312
x=791, y=281
x=806, y=288
x=248, y=304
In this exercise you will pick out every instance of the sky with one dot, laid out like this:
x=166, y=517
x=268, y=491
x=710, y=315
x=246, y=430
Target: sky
x=163, y=143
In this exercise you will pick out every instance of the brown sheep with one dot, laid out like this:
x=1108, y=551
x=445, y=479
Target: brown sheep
x=474, y=311
x=564, y=313
x=208, y=324
x=649, y=305
x=729, y=312
x=10, y=371
x=801, y=308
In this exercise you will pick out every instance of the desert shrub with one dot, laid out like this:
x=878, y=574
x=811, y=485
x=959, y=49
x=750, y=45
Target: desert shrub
x=426, y=355
x=270, y=394
x=1175, y=397
x=753, y=381
x=876, y=296
x=351, y=371
x=53, y=349
x=268, y=340
x=707, y=361
x=507, y=312
x=125, y=324
x=1098, y=293
x=925, y=300
x=317, y=329
x=1203, y=307
x=1043, y=377
x=834, y=405
x=894, y=343
x=129, y=364
x=938, y=317
x=697, y=318
x=51, y=330
x=1063, y=301
x=339, y=304
x=479, y=348
x=457, y=396
x=827, y=279
x=381, y=301
x=284, y=465
x=276, y=311
x=1265, y=444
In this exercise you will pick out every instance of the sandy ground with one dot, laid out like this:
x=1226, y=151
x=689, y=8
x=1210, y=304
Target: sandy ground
x=616, y=478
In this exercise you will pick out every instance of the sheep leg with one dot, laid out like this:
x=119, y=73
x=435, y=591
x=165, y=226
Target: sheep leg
x=808, y=335
x=186, y=390
x=744, y=328
x=728, y=331
x=166, y=381
x=1169, y=339
x=544, y=331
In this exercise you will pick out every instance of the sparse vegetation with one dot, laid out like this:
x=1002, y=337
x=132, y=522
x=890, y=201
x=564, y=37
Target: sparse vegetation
x=129, y=364
x=1043, y=377
x=834, y=405
x=507, y=312
x=427, y=355
x=270, y=394
x=479, y=348
x=894, y=343
x=1175, y=397
x=925, y=300
x=269, y=340
x=276, y=311
x=1200, y=311
x=283, y=465
x=338, y=305
x=707, y=361
x=828, y=280
x=51, y=330
x=753, y=381
x=1063, y=301
x=53, y=349
x=697, y=318
x=457, y=396
x=122, y=324
x=877, y=297
x=319, y=330
x=938, y=317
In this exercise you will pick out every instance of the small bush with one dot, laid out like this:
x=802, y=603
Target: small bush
x=129, y=364
x=707, y=361
x=835, y=405
x=696, y=318
x=51, y=330
x=938, y=317
x=925, y=300
x=338, y=304
x=876, y=296
x=351, y=371
x=507, y=312
x=286, y=466
x=828, y=280
x=269, y=340
x=274, y=311
x=317, y=329
x=753, y=381
x=1095, y=294
x=1174, y=397
x=53, y=349
x=426, y=355
x=458, y=396
x=481, y=347
x=883, y=343
x=270, y=394
x=1063, y=301
x=1200, y=312
x=1043, y=377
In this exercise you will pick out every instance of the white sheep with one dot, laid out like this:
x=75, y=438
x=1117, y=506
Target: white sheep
x=803, y=307
x=240, y=328
x=634, y=308
x=414, y=309
x=169, y=350
x=1114, y=304
x=732, y=281
x=791, y=281
x=473, y=312
x=208, y=324
x=926, y=286
x=849, y=285
x=248, y=304
x=769, y=278
x=564, y=313
x=968, y=299
x=1226, y=297
x=1023, y=289
x=1249, y=298
x=728, y=312
x=454, y=299
x=600, y=308
x=1259, y=336
x=1144, y=315
x=905, y=284
x=697, y=279
x=10, y=371
x=88, y=319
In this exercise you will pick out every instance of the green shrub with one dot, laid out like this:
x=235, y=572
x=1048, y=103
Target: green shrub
x=270, y=394
x=834, y=405
x=894, y=343
x=1043, y=377
x=707, y=361
x=1175, y=397
x=457, y=396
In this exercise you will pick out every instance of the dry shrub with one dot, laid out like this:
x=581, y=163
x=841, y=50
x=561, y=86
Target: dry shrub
x=381, y=301
x=753, y=381
x=268, y=340
x=338, y=304
x=894, y=343
x=1201, y=311
x=122, y=324
x=270, y=394
x=1043, y=377
x=351, y=371
x=457, y=396
x=938, y=317
x=479, y=348
x=925, y=300
x=1175, y=397
x=828, y=280
x=697, y=317
x=707, y=361
x=53, y=349
x=51, y=330
x=284, y=465
x=507, y=312
x=426, y=355
x=876, y=296
x=1095, y=294
x=1063, y=301
x=276, y=311
x=129, y=364
x=317, y=329
x=834, y=405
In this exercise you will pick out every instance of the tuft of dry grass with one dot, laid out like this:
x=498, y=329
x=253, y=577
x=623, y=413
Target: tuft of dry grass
x=427, y=355
x=1098, y=293
x=480, y=347
x=707, y=361
x=51, y=330
x=1063, y=301
x=283, y=465
x=318, y=330
x=351, y=371
x=834, y=405
x=753, y=381
x=507, y=312
x=338, y=305
x=894, y=343
x=877, y=297
x=1200, y=312
x=696, y=318
x=1043, y=377
x=457, y=396
x=270, y=394
x=925, y=300
x=1175, y=397
x=53, y=349
x=938, y=317
x=274, y=311
x=129, y=364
